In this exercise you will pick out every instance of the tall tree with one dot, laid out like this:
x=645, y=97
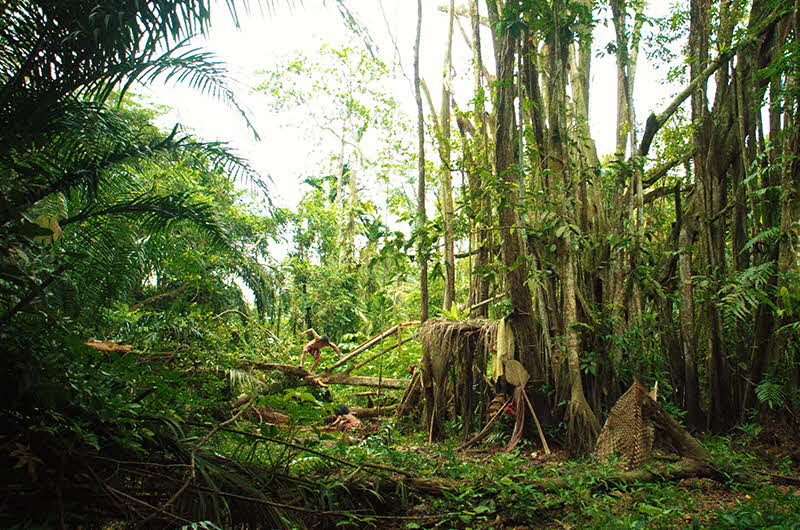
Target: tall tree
x=422, y=246
x=447, y=176
x=480, y=166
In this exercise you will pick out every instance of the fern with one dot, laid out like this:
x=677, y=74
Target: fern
x=765, y=237
x=744, y=292
x=771, y=393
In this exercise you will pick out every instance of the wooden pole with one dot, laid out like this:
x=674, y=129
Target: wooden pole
x=538, y=426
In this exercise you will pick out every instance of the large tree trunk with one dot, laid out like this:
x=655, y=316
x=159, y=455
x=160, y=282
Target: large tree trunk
x=583, y=426
x=788, y=266
x=691, y=394
x=513, y=248
x=482, y=205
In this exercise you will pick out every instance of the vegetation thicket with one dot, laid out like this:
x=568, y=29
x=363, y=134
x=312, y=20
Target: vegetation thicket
x=492, y=271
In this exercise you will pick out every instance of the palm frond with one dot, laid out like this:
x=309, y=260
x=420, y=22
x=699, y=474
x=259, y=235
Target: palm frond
x=83, y=161
x=154, y=213
x=194, y=68
x=51, y=50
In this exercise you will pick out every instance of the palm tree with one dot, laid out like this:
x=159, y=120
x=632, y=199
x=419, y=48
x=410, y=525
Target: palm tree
x=61, y=61
x=64, y=68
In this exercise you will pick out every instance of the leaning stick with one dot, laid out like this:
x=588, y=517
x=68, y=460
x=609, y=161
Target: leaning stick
x=369, y=360
x=370, y=343
x=538, y=426
x=487, y=301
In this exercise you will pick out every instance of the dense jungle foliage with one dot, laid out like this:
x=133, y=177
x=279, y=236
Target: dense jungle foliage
x=494, y=283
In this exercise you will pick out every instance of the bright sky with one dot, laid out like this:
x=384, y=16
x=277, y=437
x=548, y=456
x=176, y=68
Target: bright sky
x=264, y=40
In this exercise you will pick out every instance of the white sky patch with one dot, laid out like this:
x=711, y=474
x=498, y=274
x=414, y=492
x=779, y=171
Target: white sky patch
x=264, y=41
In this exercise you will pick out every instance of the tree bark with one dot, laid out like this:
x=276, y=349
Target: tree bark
x=483, y=203
x=691, y=394
x=514, y=260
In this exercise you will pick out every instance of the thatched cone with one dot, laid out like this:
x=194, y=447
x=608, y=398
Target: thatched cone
x=637, y=423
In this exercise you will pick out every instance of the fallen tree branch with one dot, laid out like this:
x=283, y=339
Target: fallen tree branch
x=302, y=448
x=357, y=380
x=193, y=459
x=348, y=515
x=683, y=469
x=387, y=350
x=779, y=479
x=333, y=379
x=367, y=412
x=370, y=343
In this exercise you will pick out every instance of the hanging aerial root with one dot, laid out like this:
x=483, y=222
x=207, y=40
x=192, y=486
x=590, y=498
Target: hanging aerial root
x=444, y=343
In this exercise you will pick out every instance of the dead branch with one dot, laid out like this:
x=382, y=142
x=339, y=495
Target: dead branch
x=369, y=360
x=310, y=379
x=370, y=343
x=357, y=380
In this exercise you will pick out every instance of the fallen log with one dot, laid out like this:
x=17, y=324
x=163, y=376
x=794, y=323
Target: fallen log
x=331, y=379
x=367, y=412
x=683, y=469
x=357, y=380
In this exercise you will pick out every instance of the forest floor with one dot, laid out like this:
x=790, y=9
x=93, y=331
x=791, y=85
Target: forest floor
x=495, y=489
